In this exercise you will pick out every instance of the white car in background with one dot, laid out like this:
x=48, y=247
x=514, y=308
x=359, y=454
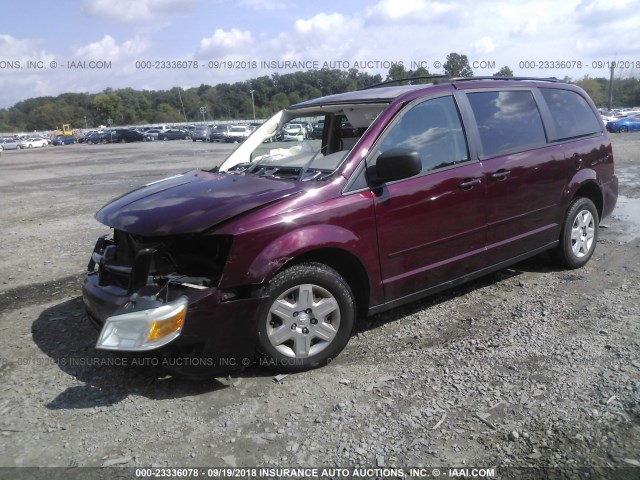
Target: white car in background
x=34, y=142
x=295, y=131
x=237, y=134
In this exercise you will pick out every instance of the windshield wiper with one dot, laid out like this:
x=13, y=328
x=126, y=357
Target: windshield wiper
x=306, y=166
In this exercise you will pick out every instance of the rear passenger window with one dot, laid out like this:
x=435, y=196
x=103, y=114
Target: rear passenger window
x=570, y=114
x=508, y=121
x=434, y=130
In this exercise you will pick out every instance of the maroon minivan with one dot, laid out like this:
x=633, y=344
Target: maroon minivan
x=275, y=255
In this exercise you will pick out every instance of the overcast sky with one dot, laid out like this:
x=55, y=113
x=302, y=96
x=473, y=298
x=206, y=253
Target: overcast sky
x=69, y=34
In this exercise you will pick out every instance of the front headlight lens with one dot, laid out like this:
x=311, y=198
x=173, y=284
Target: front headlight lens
x=144, y=329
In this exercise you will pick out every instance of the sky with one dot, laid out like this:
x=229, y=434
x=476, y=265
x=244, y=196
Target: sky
x=89, y=45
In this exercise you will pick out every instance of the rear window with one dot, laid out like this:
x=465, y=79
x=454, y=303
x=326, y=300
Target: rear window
x=508, y=121
x=570, y=114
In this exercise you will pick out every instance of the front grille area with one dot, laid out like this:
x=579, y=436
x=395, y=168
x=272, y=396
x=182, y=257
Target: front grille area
x=197, y=259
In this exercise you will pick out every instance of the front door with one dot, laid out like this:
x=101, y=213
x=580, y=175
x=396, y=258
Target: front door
x=431, y=227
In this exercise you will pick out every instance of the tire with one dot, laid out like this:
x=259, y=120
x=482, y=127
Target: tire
x=623, y=129
x=579, y=234
x=122, y=140
x=165, y=138
x=290, y=337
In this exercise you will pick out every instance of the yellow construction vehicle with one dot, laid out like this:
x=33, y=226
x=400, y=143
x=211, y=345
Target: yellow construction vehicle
x=66, y=130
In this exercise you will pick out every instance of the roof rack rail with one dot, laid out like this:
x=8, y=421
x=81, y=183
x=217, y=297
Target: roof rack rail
x=444, y=78
x=468, y=79
x=408, y=79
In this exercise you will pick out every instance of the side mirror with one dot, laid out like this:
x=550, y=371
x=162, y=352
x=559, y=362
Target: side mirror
x=397, y=164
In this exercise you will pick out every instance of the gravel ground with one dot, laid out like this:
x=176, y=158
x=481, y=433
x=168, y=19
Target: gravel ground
x=531, y=367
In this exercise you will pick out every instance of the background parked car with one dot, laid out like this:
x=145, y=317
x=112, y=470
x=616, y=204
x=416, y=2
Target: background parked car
x=126, y=135
x=12, y=144
x=201, y=133
x=35, y=142
x=91, y=138
x=237, y=134
x=152, y=134
x=87, y=135
x=65, y=140
x=625, y=124
x=174, y=134
x=295, y=131
x=219, y=133
x=317, y=130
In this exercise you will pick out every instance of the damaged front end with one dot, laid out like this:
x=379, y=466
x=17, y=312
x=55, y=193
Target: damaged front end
x=161, y=294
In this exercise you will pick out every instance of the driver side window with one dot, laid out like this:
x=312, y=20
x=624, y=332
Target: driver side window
x=434, y=130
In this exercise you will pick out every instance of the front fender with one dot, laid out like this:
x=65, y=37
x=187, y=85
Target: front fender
x=298, y=242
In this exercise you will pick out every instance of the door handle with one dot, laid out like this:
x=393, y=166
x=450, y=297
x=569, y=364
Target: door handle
x=469, y=184
x=500, y=175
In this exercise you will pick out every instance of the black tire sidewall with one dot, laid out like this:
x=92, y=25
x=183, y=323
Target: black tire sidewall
x=307, y=273
x=565, y=251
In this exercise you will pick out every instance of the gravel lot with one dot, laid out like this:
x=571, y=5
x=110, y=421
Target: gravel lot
x=532, y=367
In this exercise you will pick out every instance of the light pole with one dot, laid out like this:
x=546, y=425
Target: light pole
x=253, y=105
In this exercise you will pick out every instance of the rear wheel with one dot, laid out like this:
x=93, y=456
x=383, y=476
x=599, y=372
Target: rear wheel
x=579, y=234
x=307, y=320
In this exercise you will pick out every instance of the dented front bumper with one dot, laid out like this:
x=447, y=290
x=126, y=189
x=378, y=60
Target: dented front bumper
x=190, y=330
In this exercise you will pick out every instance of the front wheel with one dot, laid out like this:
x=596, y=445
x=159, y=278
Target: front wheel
x=624, y=129
x=307, y=320
x=579, y=234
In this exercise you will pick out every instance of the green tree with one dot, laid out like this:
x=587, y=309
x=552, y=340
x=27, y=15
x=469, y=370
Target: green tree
x=504, y=72
x=397, y=72
x=457, y=66
x=106, y=106
x=597, y=88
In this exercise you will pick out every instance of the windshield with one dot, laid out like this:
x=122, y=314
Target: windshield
x=303, y=144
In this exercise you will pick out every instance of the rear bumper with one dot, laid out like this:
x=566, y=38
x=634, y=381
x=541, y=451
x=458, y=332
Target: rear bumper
x=217, y=336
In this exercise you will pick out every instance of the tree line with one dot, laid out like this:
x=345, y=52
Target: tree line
x=228, y=101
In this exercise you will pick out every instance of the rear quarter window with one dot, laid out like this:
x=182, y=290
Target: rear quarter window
x=508, y=121
x=570, y=114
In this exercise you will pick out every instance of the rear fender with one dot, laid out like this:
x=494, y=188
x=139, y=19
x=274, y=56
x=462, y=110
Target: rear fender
x=580, y=179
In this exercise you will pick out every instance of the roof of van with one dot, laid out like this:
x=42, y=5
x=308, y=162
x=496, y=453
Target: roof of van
x=372, y=95
x=386, y=94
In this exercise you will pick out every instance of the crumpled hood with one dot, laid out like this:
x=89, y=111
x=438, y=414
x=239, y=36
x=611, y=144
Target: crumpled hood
x=191, y=202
